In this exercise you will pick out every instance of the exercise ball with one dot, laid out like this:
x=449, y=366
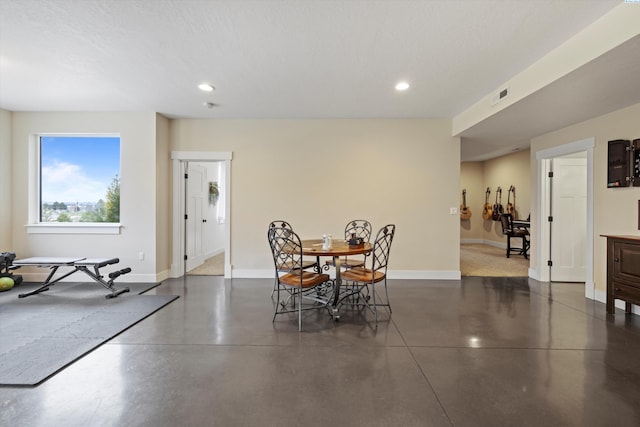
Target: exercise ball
x=6, y=283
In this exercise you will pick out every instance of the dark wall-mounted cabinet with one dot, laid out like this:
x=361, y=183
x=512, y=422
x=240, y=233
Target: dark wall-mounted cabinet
x=623, y=168
x=635, y=162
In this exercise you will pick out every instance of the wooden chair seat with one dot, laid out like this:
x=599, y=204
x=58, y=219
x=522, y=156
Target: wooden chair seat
x=361, y=274
x=309, y=279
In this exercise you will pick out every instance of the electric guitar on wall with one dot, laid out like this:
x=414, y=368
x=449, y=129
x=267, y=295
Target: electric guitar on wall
x=465, y=212
x=497, y=207
x=511, y=207
x=486, y=211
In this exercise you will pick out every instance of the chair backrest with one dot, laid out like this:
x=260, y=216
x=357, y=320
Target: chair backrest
x=280, y=223
x=359, y=227
x=286, y=249
x=382, y=247
x=506, y=220
x=274, y=224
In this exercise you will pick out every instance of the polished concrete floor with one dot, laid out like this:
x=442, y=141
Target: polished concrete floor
x=476, y=352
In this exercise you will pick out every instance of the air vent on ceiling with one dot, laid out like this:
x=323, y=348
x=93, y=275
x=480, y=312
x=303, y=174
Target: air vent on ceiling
x=499, y=95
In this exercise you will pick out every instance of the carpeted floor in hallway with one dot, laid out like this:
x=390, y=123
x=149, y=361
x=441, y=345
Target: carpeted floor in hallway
x=489, y=261
x=213, y=266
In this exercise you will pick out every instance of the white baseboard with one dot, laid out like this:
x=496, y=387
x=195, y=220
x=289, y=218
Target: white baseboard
x=163, y=275
x=252, y=274
x=501, y=245
x=471, y=241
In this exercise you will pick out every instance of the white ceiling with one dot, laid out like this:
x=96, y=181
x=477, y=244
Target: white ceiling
x=288, y=58
x=608, y=83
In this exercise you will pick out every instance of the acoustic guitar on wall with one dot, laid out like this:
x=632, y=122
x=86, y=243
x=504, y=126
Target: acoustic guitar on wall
x=465, y=212
x=487, y=210
x=497, y=207
x=511, y=207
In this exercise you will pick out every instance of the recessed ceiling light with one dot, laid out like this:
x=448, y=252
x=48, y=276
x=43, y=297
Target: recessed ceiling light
x=206, y=87
x=402, y=86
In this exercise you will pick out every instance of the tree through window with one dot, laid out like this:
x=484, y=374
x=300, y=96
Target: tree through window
x=79, y=178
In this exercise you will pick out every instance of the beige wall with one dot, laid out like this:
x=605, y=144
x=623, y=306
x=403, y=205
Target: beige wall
x=615, y=211
x=472, y=179
x=318, y=174
x=138, y=190
x=505, y=171
x=163, y=199
x=513, y=169
x=315, y=173
x=6, y=189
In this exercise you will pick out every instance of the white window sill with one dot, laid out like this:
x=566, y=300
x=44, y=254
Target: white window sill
x=74, y=228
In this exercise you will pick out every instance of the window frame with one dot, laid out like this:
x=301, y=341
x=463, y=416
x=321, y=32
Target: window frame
x=34, y=225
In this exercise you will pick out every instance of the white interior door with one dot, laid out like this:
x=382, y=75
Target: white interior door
x=569, y=212
x=196, y=203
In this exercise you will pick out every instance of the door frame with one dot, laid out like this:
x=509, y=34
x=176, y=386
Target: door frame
x=179, y=160
x=544, y=200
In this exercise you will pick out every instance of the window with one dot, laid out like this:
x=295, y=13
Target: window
x=79, y=179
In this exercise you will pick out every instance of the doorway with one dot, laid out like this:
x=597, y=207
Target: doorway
x=482, y=241
x=546, y=231
x=205, y=218
x=180, y=164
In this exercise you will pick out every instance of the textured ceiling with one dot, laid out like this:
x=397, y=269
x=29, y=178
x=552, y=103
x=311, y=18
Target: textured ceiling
x=274, y=59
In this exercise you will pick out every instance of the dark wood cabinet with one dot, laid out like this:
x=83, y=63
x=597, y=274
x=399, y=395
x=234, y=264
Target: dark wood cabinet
x=623, y=271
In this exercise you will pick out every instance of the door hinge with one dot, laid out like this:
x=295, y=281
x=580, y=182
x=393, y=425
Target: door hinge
x=185, y=257
x=551, y=174
x=186, y=176
x=186, y=216
x=550, y=219
x=550, y=263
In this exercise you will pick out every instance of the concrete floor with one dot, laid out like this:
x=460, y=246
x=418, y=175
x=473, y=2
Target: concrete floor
x=476, y=352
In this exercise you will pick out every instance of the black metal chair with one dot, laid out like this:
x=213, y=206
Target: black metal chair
x=306, y=264
x=298, y=283
x=360, y=281
x=506, y=220
x=358, y=229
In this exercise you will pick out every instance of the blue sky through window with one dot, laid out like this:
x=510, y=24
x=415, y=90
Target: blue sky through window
x=78, y=169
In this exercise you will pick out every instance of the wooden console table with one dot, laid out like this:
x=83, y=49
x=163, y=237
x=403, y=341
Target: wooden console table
x=623, y=271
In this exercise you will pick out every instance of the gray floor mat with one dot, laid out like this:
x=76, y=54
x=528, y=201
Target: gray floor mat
x=41, y=334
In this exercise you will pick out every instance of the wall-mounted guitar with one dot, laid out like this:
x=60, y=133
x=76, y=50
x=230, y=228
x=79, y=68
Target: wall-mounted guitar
x=511, y=207
x=486, y=211
x=465, y=212
x=497, y=207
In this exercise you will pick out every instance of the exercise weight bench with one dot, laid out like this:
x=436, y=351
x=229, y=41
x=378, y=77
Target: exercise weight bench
x=78, y=264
